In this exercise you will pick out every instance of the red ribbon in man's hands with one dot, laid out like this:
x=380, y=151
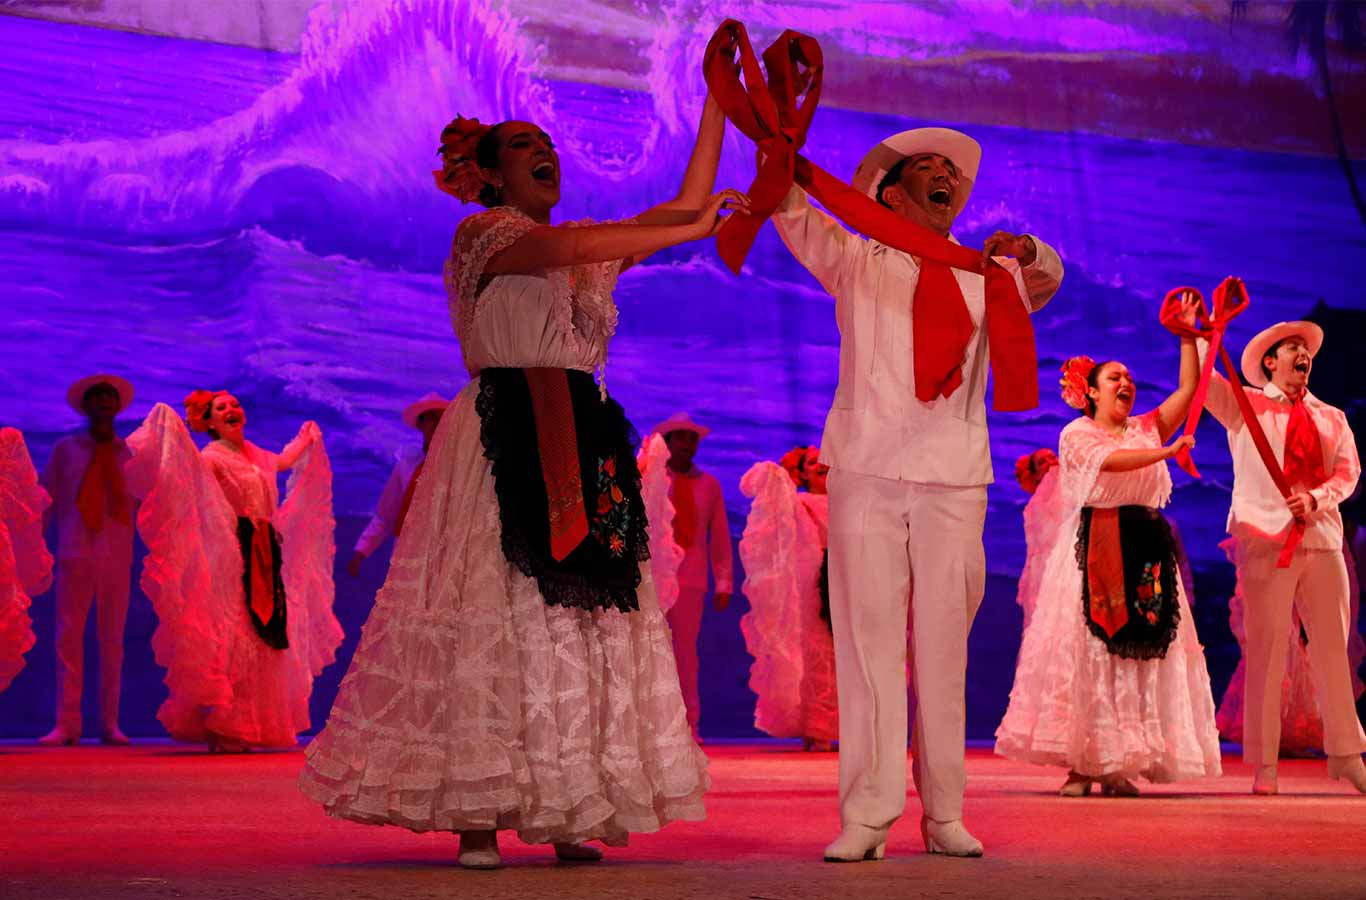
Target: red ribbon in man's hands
x=1230, y=301
x=768, y=112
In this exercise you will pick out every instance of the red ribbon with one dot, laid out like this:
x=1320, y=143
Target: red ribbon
x=558, y=443
x=768, y=113
x=1230, y=300
x=262, y=568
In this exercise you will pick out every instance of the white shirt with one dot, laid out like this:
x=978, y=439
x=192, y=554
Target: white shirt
x=876, y=426
x=62, y=478
x=382, y=523
x=1258, y=511
x=711, y=534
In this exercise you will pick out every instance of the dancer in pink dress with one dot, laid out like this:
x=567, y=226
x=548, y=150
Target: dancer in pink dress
x=25, y=563
x=787, y=629
x=1111, y=681
x=516, y=672
x=242, y=584
x=1044, y=515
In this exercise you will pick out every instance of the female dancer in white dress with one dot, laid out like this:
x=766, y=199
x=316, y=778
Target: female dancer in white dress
x=25, y=563
x=242, y=584
x=1111, y=681
x=787, y=629
x=516, y=672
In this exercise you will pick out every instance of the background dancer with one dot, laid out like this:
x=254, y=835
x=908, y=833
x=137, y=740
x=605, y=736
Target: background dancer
x=787, y=629
x=242, y=584
x=94, y=514
x=701, y=529
x=424, y=415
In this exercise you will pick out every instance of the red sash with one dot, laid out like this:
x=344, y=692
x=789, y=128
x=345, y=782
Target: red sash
x=558, y=442
x=1230, y=299
x=768, y=113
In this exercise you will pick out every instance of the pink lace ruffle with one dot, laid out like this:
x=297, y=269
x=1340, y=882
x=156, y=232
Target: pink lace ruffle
x=793, y=674
x=665, y=554
x=25, y=563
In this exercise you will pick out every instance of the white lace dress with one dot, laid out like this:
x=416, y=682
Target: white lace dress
x=1076, y=705
x=470, y=703
x=25, y=563
x=1044, y=515
x=793, y=675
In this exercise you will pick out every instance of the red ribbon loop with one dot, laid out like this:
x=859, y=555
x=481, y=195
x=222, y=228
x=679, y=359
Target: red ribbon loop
x=1230, y=301
x=768, y=112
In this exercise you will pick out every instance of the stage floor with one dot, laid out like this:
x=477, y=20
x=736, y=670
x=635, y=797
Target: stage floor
x=161, y=820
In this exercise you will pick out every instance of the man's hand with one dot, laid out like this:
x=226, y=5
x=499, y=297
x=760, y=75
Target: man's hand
x=353, y=564
x=1003, y=243
x=1301, y=504
x=720, y=601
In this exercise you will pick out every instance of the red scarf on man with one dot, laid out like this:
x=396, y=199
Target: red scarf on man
x=102, y=492
x=1303, y=449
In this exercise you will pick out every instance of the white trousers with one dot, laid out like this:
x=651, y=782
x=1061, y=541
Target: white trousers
x=887, y=539
x=104, y=582
x=1320, y=579
x=685, y=622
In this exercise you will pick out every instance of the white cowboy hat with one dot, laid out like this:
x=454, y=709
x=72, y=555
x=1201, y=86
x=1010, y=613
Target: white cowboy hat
x=76, y=393
x=1256, y=349
x=681, y=421
x=958, y=148
x=429, y=402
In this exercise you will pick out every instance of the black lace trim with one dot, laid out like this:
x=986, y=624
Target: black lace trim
x=1146, y=542
x=603, y=572
x=275, y=632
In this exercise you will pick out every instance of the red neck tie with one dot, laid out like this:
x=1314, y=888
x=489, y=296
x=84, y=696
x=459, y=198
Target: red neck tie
x=102, y=492
x=1303, y=450
x=685, y=510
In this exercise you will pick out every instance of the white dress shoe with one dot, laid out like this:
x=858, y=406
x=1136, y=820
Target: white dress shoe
x=1118, y=786
x=114, y=737
x=1075, y=786
x=1350, y=769
x=479, y=850
x=576, y=852
x=857, y=843
x=1264, y=781
x=949, y=838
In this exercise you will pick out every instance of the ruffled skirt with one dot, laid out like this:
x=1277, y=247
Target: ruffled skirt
x=1077, y=706
x=472, y=704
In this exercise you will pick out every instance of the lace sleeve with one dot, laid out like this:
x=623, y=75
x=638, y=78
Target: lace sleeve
x=22, y=504
x=781, y=556
x=307, y=532
x=478, y=239
x=193, y=570
x=665, y=554
x=1082, y=450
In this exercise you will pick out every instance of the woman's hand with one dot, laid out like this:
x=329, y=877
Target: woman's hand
x=1190, y=308
x=1184, y=442
x=709, y=219
x=310, y=433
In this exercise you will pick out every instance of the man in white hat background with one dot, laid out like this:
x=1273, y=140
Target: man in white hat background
x=907, y=487
x=424, y=415
x=1317, y=453
x=94, y=514
x=701, y=530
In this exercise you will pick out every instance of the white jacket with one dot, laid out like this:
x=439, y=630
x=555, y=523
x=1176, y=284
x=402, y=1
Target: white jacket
x=876, y=426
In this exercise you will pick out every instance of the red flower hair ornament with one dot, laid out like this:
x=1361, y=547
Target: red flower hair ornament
x=460, y=175
x=197, y=407
x=1073, y=382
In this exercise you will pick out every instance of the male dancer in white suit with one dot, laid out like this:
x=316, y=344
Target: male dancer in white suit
x=907, y=490
x=1317, y=454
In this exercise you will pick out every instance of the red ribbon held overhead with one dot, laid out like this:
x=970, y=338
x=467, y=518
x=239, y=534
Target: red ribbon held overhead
x=767, y=111
x=1230, y=300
